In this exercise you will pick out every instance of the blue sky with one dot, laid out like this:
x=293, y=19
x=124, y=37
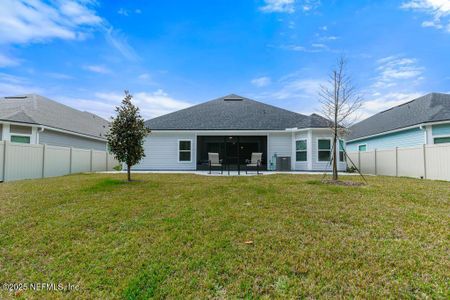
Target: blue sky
x=172, y=54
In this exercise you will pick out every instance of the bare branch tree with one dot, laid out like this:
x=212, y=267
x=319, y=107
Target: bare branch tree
x=340, y=100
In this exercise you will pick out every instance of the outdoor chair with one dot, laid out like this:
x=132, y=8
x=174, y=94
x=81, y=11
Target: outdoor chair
x=214, y=161
x=255, y=161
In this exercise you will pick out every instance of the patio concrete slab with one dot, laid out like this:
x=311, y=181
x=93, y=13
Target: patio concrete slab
x=225, y=173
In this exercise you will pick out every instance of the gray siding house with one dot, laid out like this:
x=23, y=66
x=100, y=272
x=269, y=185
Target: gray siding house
x=425, y=120
x=235, y=127
x=34, y=119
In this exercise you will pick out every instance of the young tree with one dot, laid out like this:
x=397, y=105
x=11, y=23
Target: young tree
x=340, y=101
x=126, y=134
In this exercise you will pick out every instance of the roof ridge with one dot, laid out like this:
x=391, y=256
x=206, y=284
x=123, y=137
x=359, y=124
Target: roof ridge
x=231, y=95
x=36, y=96
x=427, y=108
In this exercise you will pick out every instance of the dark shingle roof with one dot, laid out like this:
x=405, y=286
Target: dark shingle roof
x=234, y=112
x=429, y=108
x=35, y=109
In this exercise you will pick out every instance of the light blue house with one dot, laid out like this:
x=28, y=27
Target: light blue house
x=425, y=120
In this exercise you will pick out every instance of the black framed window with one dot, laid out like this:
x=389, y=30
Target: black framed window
x=301, y=152
x=324, y=149
x=341, y=151
x=442, y=140
x=184, y=150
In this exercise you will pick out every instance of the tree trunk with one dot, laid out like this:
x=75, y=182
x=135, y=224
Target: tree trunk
x=335, y=172
x=336, y=125
x=128, y=172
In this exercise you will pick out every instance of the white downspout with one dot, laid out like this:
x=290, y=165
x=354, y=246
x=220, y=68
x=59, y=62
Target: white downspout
x=40, y=129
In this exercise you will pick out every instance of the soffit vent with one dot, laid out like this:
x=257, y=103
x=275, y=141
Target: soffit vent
x=233, y=99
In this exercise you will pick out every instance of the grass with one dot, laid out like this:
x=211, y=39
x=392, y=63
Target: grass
x=186, y=236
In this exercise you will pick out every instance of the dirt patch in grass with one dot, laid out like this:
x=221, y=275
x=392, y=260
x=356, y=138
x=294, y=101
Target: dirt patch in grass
x=342, y=183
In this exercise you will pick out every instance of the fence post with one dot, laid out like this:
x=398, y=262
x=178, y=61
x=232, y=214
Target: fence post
x=424, y=161
x=396, y=161
x=375, y=161
x=70, y=160
x=90, y=167
x=5, y=147
x=106, y=152
x=44, y=148
x=359, y=160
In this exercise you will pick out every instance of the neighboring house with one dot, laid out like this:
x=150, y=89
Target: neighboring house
x=33, y=119
x=235, y=127
x=425, y=120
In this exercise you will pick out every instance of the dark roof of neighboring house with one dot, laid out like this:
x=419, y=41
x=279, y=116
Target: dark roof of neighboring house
x=432, y=107
x=35, y=109
x=234, y=112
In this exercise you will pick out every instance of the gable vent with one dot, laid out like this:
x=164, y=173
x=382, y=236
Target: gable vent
x=233, y=99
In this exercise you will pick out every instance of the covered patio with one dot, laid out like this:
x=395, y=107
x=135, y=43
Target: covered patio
x=234, y=151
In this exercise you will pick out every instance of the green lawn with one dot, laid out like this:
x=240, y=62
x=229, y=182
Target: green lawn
x=184, y=236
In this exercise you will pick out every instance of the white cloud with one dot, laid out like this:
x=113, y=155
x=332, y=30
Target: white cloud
x=296, y=91
x=294, y=86
x=116, y=39
x=329, y=38
x=438, y=9
x=395, y=69
x=314, y=48
x=6, y=61
x=432, y=24
x=279, y=6
x=97, y=69
x=288, y=6
x=123, y=12
x=23, y=22
x=11, y=85
x=376, y=102
x=151, y=104
x=58, y=75
x=397, y=81
x=261, y=81
x=37, y=21
x=126, y=12
x=144, y=76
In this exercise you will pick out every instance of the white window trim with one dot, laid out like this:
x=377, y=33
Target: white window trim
x=306, y=150
x=11, y=134
x=441, y=135
x=317, y=155
x=178, y=152
x=357, y=147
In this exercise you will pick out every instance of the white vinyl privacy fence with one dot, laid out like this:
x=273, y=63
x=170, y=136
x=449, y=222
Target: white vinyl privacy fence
x=27, y=161
x=427, y=161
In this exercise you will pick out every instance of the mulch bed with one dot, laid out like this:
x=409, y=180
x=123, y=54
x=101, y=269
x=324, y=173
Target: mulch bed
x=343, y=183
